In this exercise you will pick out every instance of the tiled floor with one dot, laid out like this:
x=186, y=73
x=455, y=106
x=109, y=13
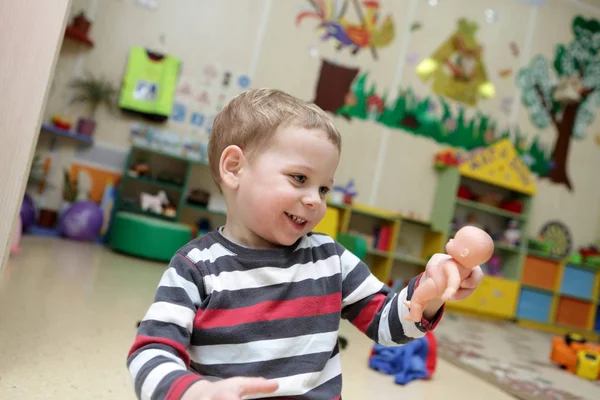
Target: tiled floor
x=67, y=319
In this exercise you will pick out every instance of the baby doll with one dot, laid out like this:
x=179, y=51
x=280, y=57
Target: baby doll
x=470, y=247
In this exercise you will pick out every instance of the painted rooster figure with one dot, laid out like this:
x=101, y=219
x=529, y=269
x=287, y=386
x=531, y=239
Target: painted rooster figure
x=367, y=33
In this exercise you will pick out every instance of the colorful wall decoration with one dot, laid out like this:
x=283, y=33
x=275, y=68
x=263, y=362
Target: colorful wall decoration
x=432, y=117
x=368, y=32
x=565, y=99
x=198, y=98
x=457, y=67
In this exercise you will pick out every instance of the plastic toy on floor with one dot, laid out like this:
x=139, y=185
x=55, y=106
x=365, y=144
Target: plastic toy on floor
x=573, y=353
x=414, y=360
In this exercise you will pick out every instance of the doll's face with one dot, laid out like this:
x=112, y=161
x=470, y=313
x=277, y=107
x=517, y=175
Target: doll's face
x=471, y=247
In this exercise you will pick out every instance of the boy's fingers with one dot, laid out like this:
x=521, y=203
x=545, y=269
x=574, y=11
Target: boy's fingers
x=473, y=279
x=255, y=385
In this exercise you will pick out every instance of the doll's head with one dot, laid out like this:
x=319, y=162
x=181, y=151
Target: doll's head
x=471, y=246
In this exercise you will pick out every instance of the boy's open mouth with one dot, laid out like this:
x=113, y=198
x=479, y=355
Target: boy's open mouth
x=297, y=220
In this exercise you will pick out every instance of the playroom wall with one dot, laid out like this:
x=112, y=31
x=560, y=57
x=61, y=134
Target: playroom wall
x=391, y=168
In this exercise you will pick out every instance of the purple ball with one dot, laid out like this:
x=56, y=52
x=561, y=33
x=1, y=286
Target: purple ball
x=27, y=213
x=82, y=221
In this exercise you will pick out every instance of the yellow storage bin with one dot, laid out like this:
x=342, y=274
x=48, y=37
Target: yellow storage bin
x=329, y=225
x=494, y=296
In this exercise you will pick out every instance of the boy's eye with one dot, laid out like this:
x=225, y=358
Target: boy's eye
x=323, y=190
x=299, y=178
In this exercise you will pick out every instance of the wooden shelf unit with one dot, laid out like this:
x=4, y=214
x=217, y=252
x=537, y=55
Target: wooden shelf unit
x=392, y=262
x=132, y=186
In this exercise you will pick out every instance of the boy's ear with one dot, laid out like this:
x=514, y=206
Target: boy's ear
x=231, y=163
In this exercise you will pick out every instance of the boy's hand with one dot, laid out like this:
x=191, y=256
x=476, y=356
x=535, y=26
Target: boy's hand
x=229, y=389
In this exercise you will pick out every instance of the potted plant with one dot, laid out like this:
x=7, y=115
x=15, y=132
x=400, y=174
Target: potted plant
x=92, y=91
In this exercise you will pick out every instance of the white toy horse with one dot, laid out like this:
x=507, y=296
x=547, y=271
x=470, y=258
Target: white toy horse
x=154, y=203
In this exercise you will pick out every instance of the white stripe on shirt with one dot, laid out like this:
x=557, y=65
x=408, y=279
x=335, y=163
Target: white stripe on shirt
x=300, y=384
x=410, y=327
x=172, y=279
x=171, y=313
x=142, y=358
x=209, y=254
x=349, y=262
x=157, y=375
x=313, y=241
x=267, y=276
x=384, y=334
x=263, y=350
x=369, y=286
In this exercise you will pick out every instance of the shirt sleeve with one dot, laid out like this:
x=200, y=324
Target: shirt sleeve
x=374, y=309
x=158, y=360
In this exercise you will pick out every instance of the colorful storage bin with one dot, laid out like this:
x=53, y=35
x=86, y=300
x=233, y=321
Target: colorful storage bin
x=573, y=312
x=534, y=305
x=540, y=273
x=578, y=282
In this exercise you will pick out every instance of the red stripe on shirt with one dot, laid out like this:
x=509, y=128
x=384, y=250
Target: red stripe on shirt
x=141, y=341
x=181, y=385
x=364, y=319
x=269, y=311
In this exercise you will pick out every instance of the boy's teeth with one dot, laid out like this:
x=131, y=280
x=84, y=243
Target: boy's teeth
x=296, y=219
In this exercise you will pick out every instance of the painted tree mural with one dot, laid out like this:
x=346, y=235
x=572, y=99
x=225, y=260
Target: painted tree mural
x=565, y=99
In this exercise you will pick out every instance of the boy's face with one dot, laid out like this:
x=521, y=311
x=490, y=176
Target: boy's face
x=281, y=192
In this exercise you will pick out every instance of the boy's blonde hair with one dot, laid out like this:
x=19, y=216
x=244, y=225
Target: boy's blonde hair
x=251, y=118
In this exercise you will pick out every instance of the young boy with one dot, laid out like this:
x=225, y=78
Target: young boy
x=262, y=296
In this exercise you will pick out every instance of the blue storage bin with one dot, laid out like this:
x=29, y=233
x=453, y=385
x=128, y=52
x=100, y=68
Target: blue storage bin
x=597, y=327
x=577, y=282
x=534, y=305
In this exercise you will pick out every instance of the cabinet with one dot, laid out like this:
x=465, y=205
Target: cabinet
x=398, y=245
x=567, y=296
x=489, y=190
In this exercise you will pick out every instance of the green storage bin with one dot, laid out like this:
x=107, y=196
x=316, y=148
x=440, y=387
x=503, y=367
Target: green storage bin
x=147, y=237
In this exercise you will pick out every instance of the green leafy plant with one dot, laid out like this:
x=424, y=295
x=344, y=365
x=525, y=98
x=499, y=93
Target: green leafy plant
x=69, y=187
x=94, y=91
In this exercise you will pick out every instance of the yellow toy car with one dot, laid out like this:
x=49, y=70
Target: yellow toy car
x=588, y=364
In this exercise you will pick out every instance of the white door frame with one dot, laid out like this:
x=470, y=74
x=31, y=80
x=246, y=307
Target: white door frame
x=31, y=32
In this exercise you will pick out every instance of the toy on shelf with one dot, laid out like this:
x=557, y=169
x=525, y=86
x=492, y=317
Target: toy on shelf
x=573, y=353
x=512, y=234
x=490, y=199
x=61, y=122
x=470, y=247
x=140, y=169
x=514, y=206
x=464, y=193
x=344, y=194
x=493, y=267
x=154, y=203
x=590, y=255
x=540, y=245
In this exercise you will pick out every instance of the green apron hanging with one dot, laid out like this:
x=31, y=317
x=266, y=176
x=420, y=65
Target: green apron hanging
x=149, y=84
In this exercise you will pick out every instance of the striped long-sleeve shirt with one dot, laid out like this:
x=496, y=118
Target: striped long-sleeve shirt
x=222, y=310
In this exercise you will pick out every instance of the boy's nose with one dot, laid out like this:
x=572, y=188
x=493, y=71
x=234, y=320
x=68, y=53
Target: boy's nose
x=312, y=200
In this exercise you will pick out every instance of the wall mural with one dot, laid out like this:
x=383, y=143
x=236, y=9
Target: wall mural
x=458, y=73
x=357, y=35
x=567, y=98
